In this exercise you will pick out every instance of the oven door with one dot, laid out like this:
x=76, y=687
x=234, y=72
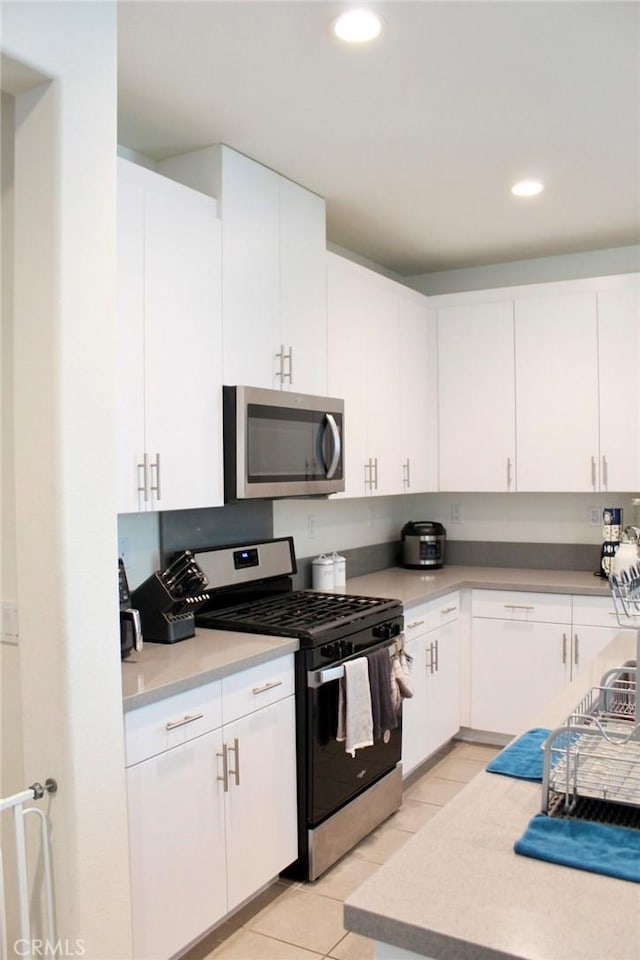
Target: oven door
x=333, y=776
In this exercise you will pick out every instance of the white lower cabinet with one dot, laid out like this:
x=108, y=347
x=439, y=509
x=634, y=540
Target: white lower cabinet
x=432, y=716
x=525, y=648
x=212, y=815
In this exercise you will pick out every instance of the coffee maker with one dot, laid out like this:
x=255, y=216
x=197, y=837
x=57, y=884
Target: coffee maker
x=611, y=534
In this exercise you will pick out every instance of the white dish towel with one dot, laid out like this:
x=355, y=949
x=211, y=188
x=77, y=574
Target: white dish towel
x=355, y=720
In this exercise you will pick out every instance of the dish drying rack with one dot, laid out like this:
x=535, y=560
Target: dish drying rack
x=591, y=767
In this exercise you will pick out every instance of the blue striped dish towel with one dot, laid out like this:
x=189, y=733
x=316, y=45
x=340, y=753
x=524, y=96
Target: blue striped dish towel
x=597, y=847
x=523, y=758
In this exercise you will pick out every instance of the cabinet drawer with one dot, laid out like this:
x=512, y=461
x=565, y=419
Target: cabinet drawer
x=170, y=722
x=415, y=621
x=594, y=612
x=520, y=606
x=257, y=687
x=444, y=610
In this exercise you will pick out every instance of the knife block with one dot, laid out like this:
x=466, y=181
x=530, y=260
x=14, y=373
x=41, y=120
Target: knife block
x=165, y=618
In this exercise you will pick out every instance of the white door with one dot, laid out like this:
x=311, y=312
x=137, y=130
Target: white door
x=516, y=668
x=130, y=343
x=414, y=709
x=381, y=343
x=476, y=396
x=183, y=372
x=418, y=395
x=176, y=832
x=618, y=364
x=303, y=291
x=443, y=684
x=586, y=643
x=260, y=805
x=557, y=393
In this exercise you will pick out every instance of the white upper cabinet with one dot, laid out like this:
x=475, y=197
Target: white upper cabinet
x=618, y=364
x=557, y=393
x=273, y=270
x=476, y=378
x=169, y=345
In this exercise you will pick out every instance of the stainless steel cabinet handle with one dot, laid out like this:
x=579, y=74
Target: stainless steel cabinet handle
x=269, y=685
x=564, y=648
x=289, y=358
x=447, y=610
x=414, y=624
x=225, y=768
x=156, y=466
x=367, y=480
x=593, y=473
x=280, y=357
x=188, y=718
x=406, y=471
x=437, y=656
x=508, y=473
x=605, y=472
x=519, y=606
x=144, y=466
x=236, y=749
x=575, y=649
x=429, y=659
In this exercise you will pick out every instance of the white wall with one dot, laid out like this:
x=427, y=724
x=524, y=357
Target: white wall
x=64, y=404
x=572, y=266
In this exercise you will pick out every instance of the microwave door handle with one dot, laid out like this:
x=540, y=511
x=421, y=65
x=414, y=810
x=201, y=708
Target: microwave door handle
x=337, y=446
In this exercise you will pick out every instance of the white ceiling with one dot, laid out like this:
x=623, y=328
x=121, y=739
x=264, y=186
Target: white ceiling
x=415, y=139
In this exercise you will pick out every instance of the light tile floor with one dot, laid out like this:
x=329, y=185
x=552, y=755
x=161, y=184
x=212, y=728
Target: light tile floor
x=296, y=921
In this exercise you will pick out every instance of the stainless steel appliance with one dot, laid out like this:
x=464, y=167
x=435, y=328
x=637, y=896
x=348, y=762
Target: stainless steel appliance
x=130, y=623
x=340, y=798
x=280, y=444
x=423, y=544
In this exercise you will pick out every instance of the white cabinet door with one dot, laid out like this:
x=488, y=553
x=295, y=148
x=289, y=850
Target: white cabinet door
x=619, y=360
x=418, y=394
x=414, y=710
x=586, y=643
x=303, y=294
x=260, y=805
x=183, y=372
x=443, y=669
x=516, y=668
x=381, y=343
x=251, y=272
x=169, y=345
x=176, y=834
x=130, y=344
x=476, y=395
x=557, y=393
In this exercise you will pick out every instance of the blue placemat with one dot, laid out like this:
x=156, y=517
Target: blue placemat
x=597, y=847
x=523, y=758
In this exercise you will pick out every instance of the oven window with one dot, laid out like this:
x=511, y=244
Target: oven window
x=285, y=444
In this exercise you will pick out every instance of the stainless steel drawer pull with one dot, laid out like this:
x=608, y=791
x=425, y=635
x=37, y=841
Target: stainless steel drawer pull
x=225, y=768
x=575, y=649
x=188, y=718
x=267, y=686
x=414, y=624
x=564, y=648
x=236, y=750
x=446, y=610
x=518, y=606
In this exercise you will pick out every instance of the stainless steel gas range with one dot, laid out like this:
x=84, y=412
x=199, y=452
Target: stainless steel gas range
x=341, y=798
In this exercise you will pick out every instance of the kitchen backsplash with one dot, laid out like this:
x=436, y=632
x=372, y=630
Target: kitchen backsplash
x=542, y=531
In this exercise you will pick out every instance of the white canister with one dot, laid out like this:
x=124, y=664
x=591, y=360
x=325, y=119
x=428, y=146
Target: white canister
x=339, y=571
x=323, y=573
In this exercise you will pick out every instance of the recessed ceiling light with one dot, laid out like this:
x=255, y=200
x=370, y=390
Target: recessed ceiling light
x=527, y=188
x=357, y=25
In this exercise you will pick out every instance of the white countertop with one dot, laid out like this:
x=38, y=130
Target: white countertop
x=457, y=891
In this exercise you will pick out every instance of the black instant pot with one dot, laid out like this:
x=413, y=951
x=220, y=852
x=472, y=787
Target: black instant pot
x=423, y=544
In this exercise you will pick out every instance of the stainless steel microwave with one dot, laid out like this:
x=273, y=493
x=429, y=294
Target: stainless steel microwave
x=279, y=444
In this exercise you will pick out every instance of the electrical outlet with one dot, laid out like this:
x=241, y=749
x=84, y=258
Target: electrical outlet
x=456, y=513
x=9, y=621
x=595, y=516
x=311, y=526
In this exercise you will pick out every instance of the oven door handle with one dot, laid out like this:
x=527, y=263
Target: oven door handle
x=337, y=446
x=317, y=678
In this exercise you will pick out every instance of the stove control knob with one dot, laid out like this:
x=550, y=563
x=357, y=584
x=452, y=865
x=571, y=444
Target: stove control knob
x=382, y=632
x=346, y=648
